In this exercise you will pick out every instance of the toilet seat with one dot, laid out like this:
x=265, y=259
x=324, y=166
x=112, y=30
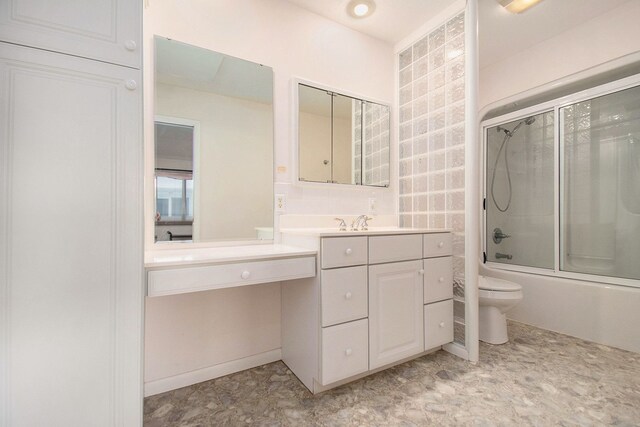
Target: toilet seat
x=497, y=285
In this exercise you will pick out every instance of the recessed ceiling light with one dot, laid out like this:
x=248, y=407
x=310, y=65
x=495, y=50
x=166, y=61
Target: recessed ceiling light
x=518, y=6
x=361, y=8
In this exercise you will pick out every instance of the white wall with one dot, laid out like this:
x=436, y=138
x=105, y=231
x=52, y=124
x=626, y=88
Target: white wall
x=294, y=43
x=604, y=38
x=597, y=312
x=233, y=165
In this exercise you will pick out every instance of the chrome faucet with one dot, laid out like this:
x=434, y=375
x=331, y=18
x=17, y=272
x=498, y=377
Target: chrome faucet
x=342, y=226
x=498, y=235
x=501, y=256
x=361, y=221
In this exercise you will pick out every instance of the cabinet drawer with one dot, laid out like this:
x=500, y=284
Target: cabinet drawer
x=193, y=279
x=344, y=295
x=395, y=248
x=437, y=244
x=438, y=324
x=344, y=251
x=438, y=279
x=344, y=350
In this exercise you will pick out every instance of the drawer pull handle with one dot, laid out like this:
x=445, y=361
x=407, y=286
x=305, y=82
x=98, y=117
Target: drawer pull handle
x=441, y=244
x=245, y=275
x=441, y=279
x=348, y=352
x=347, y=295
x=421, y=271
x=442, y=324
x=348, y=251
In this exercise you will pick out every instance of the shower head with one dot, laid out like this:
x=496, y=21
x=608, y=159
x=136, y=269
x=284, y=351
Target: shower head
x=529, y=120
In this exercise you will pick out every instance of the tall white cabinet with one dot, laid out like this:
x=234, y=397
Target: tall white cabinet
x=71, y=290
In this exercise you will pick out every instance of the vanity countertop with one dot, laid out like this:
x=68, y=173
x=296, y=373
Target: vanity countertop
x=373, y=231
x=167, y=258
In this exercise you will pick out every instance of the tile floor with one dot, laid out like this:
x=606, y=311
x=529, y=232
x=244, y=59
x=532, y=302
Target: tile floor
x=539, y=378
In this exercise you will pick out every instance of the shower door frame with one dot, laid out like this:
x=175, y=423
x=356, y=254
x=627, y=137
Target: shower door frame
x=554, y=105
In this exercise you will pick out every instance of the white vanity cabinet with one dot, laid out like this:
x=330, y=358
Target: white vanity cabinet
x=379, y=299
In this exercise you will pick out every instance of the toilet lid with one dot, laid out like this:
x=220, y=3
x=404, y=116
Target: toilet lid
x=493, y=284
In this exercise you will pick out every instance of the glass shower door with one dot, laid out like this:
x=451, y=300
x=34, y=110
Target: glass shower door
x=600, y=187
x=520, y=192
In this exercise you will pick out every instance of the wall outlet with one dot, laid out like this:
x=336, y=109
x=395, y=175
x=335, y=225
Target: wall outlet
x=281, y=203
x=373, y=205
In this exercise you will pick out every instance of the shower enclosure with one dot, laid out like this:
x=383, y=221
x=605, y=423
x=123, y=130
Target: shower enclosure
x=562, y=186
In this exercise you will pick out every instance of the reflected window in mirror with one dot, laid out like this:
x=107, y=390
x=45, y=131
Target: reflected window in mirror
x=174, y=172
x=342, y=139
x=226, y=192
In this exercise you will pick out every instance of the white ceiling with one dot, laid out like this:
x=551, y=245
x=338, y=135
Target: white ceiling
x=502, y=34
x=391, y=22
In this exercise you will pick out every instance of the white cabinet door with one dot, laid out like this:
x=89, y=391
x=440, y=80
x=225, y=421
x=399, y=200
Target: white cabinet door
x=71, y=290
x=107, y=30
x=344, y=351
x=395, y=312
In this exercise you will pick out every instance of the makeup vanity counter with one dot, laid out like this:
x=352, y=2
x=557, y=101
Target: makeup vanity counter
x=177, y=271
x=381, y=297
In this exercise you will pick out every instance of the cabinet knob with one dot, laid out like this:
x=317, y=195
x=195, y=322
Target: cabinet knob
x=348, y=251
x=348, y=352
x=130, y=45
x=441, y=279
x=131, y=84
x=245, y=275
x=347, y=295
x=421, y=271
x=441, y=324
x=441, y=244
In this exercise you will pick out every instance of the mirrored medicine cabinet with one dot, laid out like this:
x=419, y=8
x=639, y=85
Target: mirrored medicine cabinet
x=342, y=139
x=213, y=170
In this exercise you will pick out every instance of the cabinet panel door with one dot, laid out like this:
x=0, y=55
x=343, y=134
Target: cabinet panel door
x=395, y=248
x=437, y=244
x=344, y=295
x=344, y=251
x=107, y=30
x=71, y=291
x=438, y=324
x=344, y=351
x=395, y=312
x=438, y=279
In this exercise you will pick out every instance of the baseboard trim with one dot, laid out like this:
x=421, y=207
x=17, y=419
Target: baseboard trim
x=220, y=370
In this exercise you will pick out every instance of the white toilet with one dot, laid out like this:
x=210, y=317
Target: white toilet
x=496, y=297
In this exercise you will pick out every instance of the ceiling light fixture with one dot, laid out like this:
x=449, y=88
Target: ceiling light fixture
x=518, y=6
x=361, y=8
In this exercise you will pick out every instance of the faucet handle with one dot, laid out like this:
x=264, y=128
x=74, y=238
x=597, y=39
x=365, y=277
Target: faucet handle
x=365, y=226
x=342, y=226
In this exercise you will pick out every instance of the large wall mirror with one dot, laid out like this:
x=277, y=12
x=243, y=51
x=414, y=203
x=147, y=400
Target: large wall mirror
x=342, y=139
x=213, y=146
